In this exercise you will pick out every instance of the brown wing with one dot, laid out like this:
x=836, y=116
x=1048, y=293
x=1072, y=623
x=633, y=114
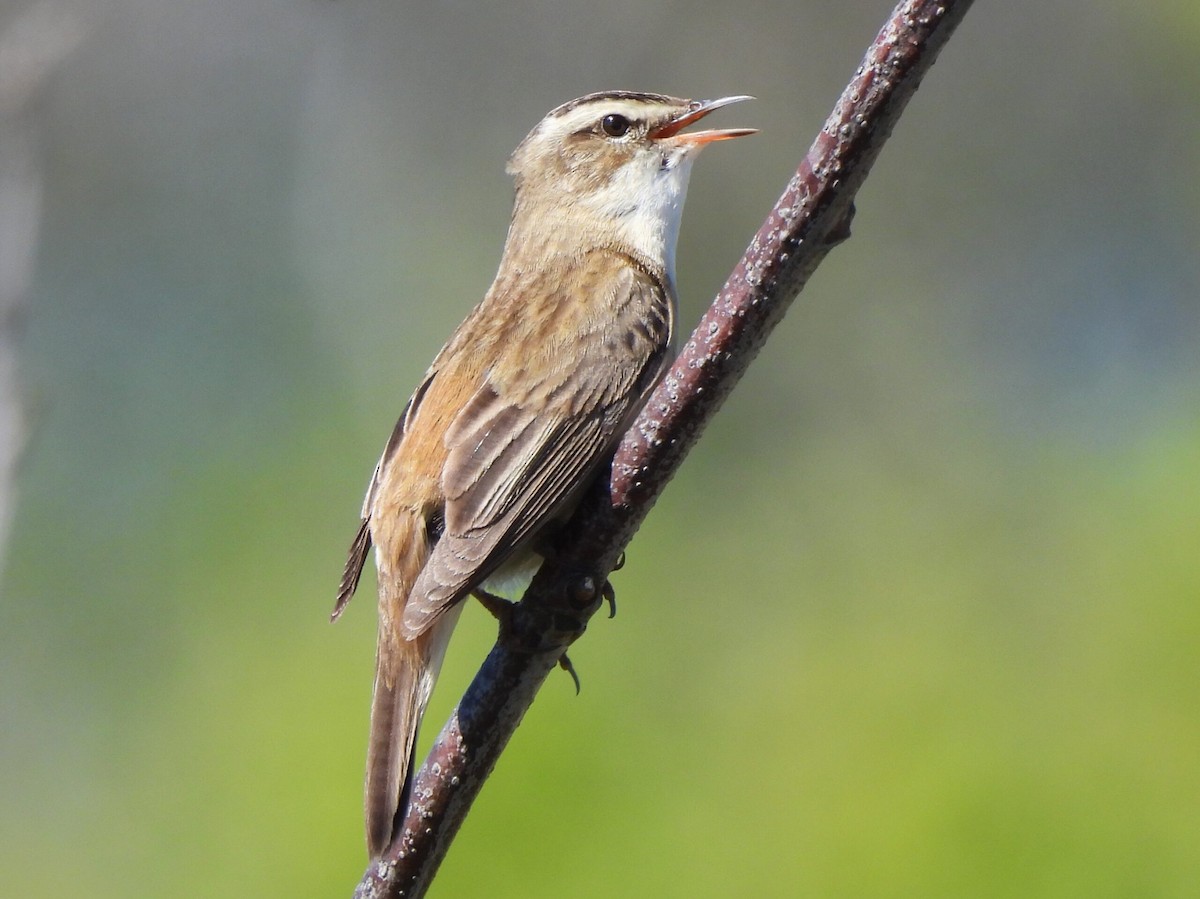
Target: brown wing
x=523, y=446
x=355, y=561
x=360, y=547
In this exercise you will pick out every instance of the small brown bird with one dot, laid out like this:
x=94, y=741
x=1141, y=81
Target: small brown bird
x=527, y=398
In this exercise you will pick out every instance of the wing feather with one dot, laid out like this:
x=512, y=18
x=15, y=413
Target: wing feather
x=360, y=547
x=518, y=457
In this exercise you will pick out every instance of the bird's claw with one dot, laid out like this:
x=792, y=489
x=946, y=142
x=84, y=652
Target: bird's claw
x=564, y=662
x=610, y=597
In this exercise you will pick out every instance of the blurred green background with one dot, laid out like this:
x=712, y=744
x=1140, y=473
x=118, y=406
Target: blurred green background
x=919, y=616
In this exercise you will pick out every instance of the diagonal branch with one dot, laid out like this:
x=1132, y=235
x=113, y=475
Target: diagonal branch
x=811, y=217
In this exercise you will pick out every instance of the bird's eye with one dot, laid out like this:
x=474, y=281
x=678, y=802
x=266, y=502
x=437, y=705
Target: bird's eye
x=614, y=125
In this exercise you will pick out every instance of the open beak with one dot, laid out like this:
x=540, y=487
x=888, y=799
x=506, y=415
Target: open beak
x=697, y=110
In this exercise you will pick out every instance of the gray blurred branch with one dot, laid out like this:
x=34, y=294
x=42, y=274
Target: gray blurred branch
x=811, y=217
x=32, y=45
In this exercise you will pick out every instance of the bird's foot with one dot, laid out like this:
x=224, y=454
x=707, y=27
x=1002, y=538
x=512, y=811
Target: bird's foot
x=610, y=597
x=502, y=610
x=564, y=662
x=498, y=607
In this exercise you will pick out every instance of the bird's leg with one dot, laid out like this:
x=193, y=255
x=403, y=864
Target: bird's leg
x=501, y=609
x=498, y=607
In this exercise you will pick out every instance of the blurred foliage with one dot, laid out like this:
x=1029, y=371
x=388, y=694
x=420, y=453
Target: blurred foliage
x=918, y=617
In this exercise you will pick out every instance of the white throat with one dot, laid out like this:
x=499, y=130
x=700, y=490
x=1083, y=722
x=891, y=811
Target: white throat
x=645, y=207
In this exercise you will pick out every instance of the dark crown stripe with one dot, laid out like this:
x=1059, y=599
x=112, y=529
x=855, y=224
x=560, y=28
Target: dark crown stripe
x=616, y=95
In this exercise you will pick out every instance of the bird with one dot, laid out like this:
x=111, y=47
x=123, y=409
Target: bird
x=527, y=399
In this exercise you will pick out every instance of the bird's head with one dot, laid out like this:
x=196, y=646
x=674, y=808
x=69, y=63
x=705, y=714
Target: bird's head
x=615, y=164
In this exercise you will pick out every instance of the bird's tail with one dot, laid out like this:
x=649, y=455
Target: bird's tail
x=405, y=671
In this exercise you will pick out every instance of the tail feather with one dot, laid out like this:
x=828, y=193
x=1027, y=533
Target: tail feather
x=405, y=671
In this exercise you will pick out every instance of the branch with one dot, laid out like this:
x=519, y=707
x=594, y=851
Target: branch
x=811, y=217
